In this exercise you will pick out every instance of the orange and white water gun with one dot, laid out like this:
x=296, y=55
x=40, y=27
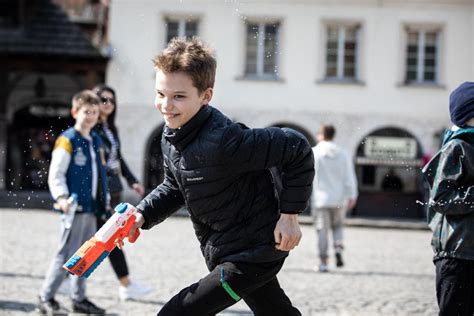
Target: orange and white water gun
x=95, y=250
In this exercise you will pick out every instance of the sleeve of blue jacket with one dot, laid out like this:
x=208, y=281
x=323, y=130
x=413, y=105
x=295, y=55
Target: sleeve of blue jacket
x=450, y=175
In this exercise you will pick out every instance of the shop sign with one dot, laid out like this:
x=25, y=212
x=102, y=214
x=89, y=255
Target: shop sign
x=390, y=147
x=40, y=110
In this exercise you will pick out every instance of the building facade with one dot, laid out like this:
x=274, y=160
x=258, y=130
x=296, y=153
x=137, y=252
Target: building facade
x=380, y=71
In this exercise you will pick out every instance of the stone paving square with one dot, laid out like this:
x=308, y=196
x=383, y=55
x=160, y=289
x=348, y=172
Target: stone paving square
x=387, y=272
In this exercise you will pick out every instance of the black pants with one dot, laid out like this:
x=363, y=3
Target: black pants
x=117, y=257
x=255, y=283
x=455, y=286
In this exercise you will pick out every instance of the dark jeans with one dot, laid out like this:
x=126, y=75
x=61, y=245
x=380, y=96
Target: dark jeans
x=255, y=283
x=455, y=286
x=117, y=257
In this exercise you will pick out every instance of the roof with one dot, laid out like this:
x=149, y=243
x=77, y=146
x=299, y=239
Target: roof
x=48, y=32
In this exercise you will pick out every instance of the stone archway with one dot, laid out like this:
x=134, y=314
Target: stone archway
x=300, y=129
x=388, y=168
x=154, y=160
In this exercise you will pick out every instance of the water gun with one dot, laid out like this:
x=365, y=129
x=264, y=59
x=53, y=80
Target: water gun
x=95, y=250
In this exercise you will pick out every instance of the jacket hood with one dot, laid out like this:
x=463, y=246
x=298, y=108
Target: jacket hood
x=328, y=149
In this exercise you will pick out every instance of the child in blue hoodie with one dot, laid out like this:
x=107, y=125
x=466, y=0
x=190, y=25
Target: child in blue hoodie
x=450, y=175
x=76, y=167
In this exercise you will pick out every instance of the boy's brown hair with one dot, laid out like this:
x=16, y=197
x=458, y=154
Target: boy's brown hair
x=328, y=131
x=84, y=97
x=191, y=57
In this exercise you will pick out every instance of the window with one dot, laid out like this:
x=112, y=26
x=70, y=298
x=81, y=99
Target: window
x=342, y=52
x=262, y=50
x=181, y=27
x=422, y=56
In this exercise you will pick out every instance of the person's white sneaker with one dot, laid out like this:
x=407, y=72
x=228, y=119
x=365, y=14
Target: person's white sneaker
x=323, y=267
x=133, y=290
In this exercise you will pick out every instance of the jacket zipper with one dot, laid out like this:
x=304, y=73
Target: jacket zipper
x=180, y=184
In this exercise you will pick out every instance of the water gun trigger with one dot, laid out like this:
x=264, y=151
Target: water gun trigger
x=135, y=236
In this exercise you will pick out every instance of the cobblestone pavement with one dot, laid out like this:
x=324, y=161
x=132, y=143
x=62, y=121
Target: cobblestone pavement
x=387, y=272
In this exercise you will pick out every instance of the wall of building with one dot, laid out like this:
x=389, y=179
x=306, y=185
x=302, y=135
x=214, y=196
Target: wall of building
x=301, y=97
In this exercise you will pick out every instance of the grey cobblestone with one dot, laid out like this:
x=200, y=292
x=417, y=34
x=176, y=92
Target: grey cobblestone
x=388, y=271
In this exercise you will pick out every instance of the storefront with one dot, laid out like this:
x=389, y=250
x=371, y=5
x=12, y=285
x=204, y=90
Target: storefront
x=388, y=168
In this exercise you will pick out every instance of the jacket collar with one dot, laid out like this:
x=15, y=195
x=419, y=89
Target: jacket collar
x=182, y=136
x=464, y=133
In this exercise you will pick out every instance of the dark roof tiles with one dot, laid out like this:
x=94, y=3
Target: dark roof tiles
x=48, y=33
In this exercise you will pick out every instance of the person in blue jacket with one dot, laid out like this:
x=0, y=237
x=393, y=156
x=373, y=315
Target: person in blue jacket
x=450, y=176
x=77, y=166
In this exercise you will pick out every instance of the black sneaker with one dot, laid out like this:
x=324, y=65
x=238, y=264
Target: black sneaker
x=339, y=262
x=48, y=307
x=87, y=307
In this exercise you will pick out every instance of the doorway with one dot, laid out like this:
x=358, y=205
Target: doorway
x=388, y=168
x=154, y=171
x=30, y=141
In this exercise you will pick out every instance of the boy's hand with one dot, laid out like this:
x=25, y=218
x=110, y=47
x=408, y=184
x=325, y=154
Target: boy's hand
x=139, y=188
x=139, y=221
x=287, y=232
x=63, y=204
x=351, y=203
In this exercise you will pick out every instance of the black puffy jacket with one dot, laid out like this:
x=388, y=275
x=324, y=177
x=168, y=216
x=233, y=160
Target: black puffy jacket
x=219, y=169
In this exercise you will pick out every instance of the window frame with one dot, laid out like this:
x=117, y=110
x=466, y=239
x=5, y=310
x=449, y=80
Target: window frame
x=421, y=31
x=260, y=73
x=342, y=27
x=182, y=21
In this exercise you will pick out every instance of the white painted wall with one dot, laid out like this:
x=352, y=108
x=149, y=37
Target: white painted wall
x=138, y=34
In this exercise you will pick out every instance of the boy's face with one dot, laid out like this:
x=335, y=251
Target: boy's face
x=86, y=116
x=177, y=99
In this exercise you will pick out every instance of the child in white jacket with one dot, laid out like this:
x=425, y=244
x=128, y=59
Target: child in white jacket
x=334, y=191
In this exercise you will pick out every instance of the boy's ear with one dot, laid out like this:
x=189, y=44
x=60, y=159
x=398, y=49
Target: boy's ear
x=207, y=96
x=73, y=113
x=470, y=122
